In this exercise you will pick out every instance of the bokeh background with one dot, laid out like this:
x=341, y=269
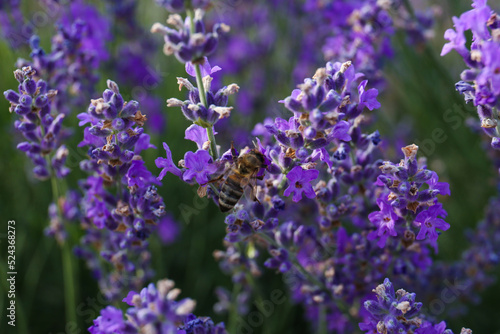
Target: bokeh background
x=420, y=90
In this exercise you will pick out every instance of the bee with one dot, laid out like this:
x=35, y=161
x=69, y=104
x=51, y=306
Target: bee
x=243, y=172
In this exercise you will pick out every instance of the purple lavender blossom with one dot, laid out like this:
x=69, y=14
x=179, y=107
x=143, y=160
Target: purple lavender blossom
x=385, y=220
x=39, y=124
x=299, y=183
x=70, y=67
x=167, y=164
x=186, y=45
x=121, y=206
x=97, y=29
x=155, y=308
x=406, y=200
x=480, y=83
x=199, y=166
x=429, y=222
x=397, y=312
x=206, y=69
x=195, y=111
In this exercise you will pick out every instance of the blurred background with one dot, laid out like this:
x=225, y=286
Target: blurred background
x=419, y=91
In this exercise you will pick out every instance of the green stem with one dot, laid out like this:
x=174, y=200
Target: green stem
x=233, y=313
x=352, y=154
x=322, y=327
x=199, y=83
x=213, y=144
x=201, y=89
x=203, y=99
x=69, y=286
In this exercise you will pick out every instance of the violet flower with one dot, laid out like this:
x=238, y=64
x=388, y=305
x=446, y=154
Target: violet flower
x=429, y=222
x=120, y=206
x=155, y=308
x=480, y=83
x=398, y=312
x=385, y=220
x=187, y=46
x=199, y=166
x=39, y=124
x=404, y=197
x=167, y=164
x=299, y=183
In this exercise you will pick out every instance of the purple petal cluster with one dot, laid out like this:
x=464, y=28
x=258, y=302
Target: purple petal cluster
x=217, y=101
x=480, y=83
x=299, y=183
x=39, y=124
x=409, y=201
x=324, y=109
x=398, y=312
x=155, y=309
x=121, y=205
x=187, y=44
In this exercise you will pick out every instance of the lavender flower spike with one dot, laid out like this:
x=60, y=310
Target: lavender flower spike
x=398, y=312
x=155, y=310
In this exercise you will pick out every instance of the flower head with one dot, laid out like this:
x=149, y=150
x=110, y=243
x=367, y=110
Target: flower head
x=299, y=182
x=155, y=307
x=385, y=220
x=368, y=97
x=397, y=312
x=199, y=165
x=429, y=222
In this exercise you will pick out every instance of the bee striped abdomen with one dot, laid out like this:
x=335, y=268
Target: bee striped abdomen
x=230, y=192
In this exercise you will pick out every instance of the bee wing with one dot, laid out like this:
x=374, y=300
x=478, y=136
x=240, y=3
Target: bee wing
x=221, y=172
x=250, y=186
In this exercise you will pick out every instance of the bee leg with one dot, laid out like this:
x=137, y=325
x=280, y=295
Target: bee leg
x=211, y=185
x=234, y=154
x=253, y=196
x=215, y=180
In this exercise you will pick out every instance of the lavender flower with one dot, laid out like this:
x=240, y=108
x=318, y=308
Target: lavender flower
x=118, y=222
x=299, y=180
x=198, y=113
x=41, y=127
x=408, y=203
x=480, y=83
x=155, y=309
x=385, y=220
x=398, y=312
x=199, y=165
x=167, y=164
x=189, y=46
